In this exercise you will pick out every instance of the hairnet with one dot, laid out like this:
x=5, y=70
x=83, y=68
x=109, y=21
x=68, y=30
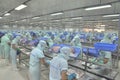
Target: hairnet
x=17, y=38
x=65, y=52
x=42, y=44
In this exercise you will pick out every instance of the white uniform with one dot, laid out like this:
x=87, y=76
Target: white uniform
x=34, y=69
x=13, y=54
x=5, y=51
x=57, y=65
x=107, y=54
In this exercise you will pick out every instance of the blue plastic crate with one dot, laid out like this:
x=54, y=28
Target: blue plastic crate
x=106, y=47
x=91, y=52
x=76, y=51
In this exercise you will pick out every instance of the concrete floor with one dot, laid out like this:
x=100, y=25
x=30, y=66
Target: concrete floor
x=6, y=73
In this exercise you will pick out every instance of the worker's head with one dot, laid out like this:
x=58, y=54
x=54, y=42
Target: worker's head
x=114, y=34
x=17, y=38
x=42, y=45
x=65, y=52
x=77, y=39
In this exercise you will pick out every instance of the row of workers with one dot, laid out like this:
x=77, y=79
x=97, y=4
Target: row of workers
x=57, y=65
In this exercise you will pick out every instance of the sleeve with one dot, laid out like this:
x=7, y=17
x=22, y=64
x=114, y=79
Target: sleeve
x=64, y=66
x=13, y=42
x=40, y=54
x=107, y=54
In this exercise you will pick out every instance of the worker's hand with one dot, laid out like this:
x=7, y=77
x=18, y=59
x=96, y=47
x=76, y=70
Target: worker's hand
x=42, y=60
x=72, y=76
x=106, y=60
x=48, y=62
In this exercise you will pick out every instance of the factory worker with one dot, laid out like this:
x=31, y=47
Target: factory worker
x=59, y=65
x=5, y=42
x=76, y=42
x=50, y=42
x=57, y=39
x=13, y=52
x=36, y=59
x=106, y=55
x=68, y=38
x=28, y=36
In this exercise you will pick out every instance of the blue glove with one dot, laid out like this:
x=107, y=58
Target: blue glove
x=48, y=61
x=72, y=76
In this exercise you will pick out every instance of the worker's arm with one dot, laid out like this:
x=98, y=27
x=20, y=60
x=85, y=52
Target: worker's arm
x=64, y=75
x=14, y=46
x=42, y=60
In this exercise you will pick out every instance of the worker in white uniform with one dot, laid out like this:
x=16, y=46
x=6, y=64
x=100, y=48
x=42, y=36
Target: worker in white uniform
x=76, y=42
x=36, y=59
x=59, y=65
x=13, y=52
x=5, y=44
x=106, y=54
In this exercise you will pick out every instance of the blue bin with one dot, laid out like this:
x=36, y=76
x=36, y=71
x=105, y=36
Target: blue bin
x=106, y=47
x=76, y=51
x=91, y=52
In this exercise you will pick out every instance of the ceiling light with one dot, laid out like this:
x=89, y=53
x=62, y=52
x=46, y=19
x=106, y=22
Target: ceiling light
x=0, y=17
x=7, y=14
x=56, y=20
x=98, y=7
x=115, y=20
x=102, y=25
x=112, y=15
x=77, y=18
x=35, y=17
x=22, y=6
x=55, y=14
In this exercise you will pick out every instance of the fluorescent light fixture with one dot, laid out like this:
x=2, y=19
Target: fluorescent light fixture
x=22, y=6
x=112, y=15
x=102, y=25
x=35, y=17
x=0, y=17
x=77, y=18
x=23, y=20
x=55, y=14
x=98, y=7
x=7, y=14
x=56, y=20
x=115, y=20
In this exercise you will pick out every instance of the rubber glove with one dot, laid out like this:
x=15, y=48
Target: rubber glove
x=72, y=76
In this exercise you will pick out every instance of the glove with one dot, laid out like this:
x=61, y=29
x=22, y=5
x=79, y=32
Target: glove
x=18, y=50
x=48, y=61
x=72, y=76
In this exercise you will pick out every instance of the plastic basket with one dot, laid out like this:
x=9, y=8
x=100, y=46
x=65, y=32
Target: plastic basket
x=106, y=47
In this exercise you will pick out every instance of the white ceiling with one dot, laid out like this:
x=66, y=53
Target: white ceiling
x=71, y=8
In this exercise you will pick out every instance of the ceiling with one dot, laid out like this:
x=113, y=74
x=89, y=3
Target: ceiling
x=70, y=8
